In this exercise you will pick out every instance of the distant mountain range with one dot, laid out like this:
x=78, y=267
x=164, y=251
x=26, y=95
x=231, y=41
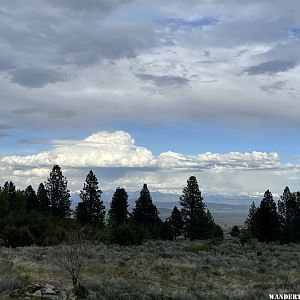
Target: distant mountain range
x=225, y=209
x=168, y=200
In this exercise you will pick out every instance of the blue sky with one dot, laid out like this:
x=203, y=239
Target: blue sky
x=152, y=92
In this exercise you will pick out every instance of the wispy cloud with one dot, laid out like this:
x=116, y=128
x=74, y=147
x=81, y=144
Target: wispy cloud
x=34, y=141
x=164, y=80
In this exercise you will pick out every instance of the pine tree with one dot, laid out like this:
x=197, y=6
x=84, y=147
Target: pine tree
x=266, y=227
x=7, y=198
x=43, y=199
x=91, y=209
x=193, y=210
x=145, y=212
x=176, y=222
x=32, y=202
x=118, y=213
x=58, y=193
x=289, y=213
x=9, y=190
x=250, y=220
x=191, y=200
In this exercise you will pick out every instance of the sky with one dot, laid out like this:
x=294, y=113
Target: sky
x=152, y=92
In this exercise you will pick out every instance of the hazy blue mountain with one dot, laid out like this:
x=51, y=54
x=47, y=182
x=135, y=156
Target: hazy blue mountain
x=225, y=209
x=169, y=200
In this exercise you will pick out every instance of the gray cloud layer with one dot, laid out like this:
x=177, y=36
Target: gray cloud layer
x=77, y=62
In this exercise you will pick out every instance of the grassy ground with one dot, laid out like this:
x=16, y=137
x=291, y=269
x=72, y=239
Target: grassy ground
x=165, y=270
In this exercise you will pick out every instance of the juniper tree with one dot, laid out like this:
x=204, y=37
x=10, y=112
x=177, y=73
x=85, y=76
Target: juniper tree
x=145, y=212
x=58, y=193
x=43, y=199
x=266, y=227
x=176, y=222
x=32, y=202
x=91, y=209
x=118, y=213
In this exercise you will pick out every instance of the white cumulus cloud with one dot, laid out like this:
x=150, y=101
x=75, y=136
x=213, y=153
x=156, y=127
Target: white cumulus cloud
x=102, y=149
x=119, y=161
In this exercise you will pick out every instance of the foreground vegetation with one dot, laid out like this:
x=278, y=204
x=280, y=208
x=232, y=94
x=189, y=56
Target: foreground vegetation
x=179, y=269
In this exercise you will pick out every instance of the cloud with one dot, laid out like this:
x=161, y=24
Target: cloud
x=5, y=126
x=102, y=149
x=33, y=141
x=35, y=172
x=275, y=86
x=35, y=77
x=102, y=6
x=2, y=134
x=25, y=111
x=118, y=161
x=59, y=59
x=271, y=67
x=221, y=161
x=118, y=150
x=39, y=47
x=184, y=24
x=165, y=80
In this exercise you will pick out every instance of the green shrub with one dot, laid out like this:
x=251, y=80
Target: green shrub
x=80, y=291
x=245, y=236
x=53, y=236
x=127, y=235
x=235, y=231
x=17, y=237
x=103, y=234
x=167, y=232
x=217, y=232
x=196, y=248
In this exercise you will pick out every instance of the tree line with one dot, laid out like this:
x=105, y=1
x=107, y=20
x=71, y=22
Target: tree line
x=271, y=222
x=43, y=217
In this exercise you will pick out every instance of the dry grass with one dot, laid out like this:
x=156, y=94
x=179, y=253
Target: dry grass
x=171, y=270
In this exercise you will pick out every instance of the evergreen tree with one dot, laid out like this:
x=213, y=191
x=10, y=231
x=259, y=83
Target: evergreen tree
x=176, y=222
x=91, y=210
x=58, y=193
x=266, y=224
x=32, y=202
x=289, y=213
x=43, y=199
x=10, y=194
x=81, y=213
x=145, y=212
x=250, y=220
x=118, y=213
x=297, y=219
x=193, y=210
